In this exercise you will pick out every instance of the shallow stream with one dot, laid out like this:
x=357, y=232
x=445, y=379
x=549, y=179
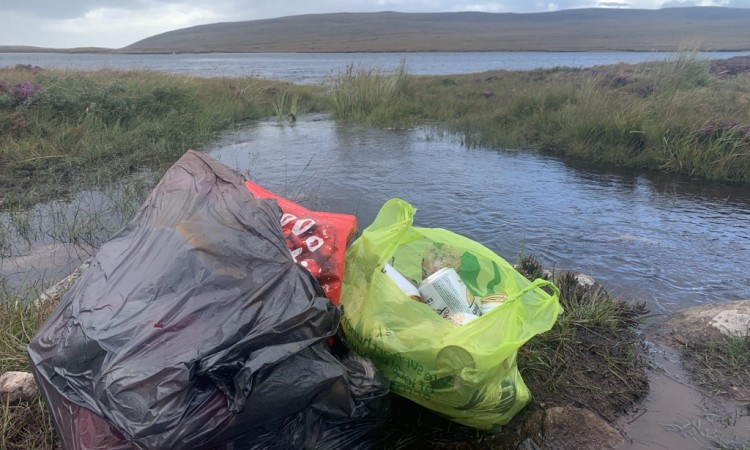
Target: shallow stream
x=670, y=241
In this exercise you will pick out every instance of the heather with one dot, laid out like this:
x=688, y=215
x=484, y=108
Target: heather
x=62, y=130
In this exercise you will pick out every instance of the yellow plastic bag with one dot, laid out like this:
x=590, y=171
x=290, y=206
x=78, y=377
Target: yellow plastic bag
x=466, y=373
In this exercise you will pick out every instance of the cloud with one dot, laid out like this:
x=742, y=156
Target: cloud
x=51, y=9
x=485, y=7
x=111, y=24
x=726, y=3
x=105, y=20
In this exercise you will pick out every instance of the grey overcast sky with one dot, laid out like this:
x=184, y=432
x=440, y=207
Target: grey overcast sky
x=117, y=23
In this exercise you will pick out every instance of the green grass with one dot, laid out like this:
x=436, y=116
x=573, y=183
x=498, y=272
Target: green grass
x=593, y=355
x=721, y=366
x=80, y=128
x=373, y=96
x=27, y=424
x=673, y=116
x=86, y=128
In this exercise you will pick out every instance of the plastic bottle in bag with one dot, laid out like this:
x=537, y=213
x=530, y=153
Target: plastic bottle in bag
x=438, y=256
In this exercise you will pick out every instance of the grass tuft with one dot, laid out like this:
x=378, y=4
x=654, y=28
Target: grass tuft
x=592, y=357
x=721, y=366
x=27, y=424
x=369, y=95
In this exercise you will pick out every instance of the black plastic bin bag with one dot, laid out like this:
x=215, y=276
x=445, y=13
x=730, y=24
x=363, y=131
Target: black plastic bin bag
x=193, y=328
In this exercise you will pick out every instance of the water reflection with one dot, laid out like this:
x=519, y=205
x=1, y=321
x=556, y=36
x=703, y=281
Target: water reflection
x=670, y=241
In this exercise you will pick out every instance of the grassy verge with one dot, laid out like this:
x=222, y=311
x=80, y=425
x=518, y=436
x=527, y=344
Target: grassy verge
x=677, y=116
x=60, y=129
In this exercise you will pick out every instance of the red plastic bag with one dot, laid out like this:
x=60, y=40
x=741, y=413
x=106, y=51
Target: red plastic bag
x=316, y=239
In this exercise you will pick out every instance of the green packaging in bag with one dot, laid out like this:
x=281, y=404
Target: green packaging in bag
x=466, y=373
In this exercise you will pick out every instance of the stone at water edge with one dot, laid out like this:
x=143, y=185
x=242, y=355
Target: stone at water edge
x=564, y=427
x=17, y=387
x=707, y=322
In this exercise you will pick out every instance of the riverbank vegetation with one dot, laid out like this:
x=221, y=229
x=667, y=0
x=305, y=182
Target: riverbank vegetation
x=26, y=424
x=686, y=116
x=678, y=116
x=62, y=129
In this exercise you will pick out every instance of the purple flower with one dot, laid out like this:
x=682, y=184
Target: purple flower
x=19, y=124
x=23, y=91
x=488, y=94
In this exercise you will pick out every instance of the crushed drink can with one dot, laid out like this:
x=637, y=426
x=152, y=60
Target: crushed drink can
x=491, y=302
x=447, y=294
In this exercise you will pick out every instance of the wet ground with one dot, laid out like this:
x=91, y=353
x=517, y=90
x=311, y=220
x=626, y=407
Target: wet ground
x=678, y=415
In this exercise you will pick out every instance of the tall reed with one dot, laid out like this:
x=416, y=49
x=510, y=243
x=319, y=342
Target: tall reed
x=368, y=94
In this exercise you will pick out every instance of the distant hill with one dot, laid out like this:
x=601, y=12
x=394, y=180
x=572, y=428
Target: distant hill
x=570, y=30
x=31, y=49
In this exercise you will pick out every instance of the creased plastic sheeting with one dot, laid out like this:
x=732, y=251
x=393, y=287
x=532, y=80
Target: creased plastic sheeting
x=467, y=373
x=194, y=328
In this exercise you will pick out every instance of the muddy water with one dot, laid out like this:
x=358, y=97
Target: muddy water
x=47, y=242
x=669, y=241
x=677, y=415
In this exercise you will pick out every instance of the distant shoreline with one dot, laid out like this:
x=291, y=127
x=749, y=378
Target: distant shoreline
x=206, y=52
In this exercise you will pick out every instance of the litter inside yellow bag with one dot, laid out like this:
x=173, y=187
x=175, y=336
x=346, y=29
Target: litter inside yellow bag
x=466, y=373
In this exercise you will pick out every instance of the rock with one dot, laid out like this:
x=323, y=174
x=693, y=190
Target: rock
x=569, y=427
x=708, y=322
x=17, y=387
x=585, y=280
x=580, y=281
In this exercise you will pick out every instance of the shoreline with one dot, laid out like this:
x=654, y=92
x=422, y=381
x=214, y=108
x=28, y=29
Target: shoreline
x=311, y=52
